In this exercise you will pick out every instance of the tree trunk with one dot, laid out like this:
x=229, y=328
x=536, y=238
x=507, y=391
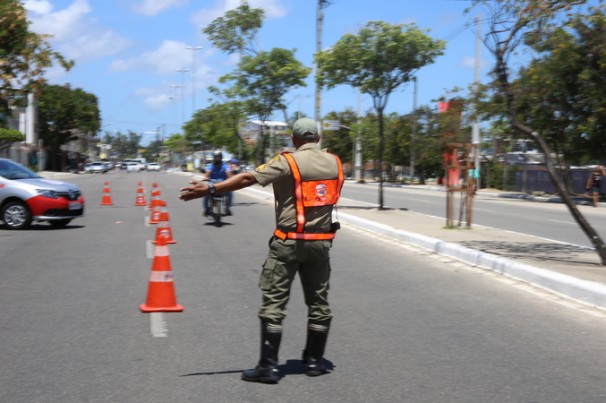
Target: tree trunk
x=381, y=150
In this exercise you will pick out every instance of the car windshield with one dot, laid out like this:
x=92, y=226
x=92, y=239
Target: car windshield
x=12, y=170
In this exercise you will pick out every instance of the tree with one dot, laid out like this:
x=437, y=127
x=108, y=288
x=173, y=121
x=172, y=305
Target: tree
x=217, y=126
x=511, y=23
x=124, y=145
x=262, y=77
x=24, y=56
x=9, y=136
x=340, y=142
x=378, y=60
x=557, y=93
x=65, y=114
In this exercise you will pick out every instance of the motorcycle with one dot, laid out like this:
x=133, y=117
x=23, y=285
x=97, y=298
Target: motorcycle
x=218, y=207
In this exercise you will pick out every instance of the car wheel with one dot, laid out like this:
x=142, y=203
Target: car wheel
x=16, y=215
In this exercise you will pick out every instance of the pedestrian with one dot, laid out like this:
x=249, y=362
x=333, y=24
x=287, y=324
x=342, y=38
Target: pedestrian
x=594, y=182
x=307, y=184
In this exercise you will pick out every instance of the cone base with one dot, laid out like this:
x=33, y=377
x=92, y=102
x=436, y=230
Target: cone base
x=146, y=308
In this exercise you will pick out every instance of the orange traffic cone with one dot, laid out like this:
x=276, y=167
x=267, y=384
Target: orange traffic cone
x=107, y=197
x=140, y=200
x=161, y=291
x=155, y=196
x=154, y=217
x=163, y=230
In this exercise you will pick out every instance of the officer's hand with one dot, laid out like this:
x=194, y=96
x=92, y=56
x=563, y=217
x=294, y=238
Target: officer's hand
x=195, y=191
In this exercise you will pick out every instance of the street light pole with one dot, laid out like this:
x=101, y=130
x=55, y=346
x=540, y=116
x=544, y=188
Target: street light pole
x=193, y=76
x=182, y=88
x=413, y=133
x=179, y=86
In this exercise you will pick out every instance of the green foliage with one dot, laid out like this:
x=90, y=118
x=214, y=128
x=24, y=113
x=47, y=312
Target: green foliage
x=560, y=93
x=9, y=136
x=217, y=126
x=124, y=145
x=262, y=77
x=25, y=56
x=340, y=142
x=177, y=143
x=236, y=30
x=64, y=114
x=378, y=60
x=261, y=81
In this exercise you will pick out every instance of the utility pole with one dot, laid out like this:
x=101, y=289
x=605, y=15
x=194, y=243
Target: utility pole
x=182, y=95
x=475, y=127
x=358, y=155
x=413, y=134
x=193, y=76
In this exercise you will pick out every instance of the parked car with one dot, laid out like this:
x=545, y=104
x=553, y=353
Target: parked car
x=133, y=167
x=25, y=197
x=97, y=167
x=153, y=166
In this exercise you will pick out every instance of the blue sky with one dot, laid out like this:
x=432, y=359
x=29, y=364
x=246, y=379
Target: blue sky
x=128, y=52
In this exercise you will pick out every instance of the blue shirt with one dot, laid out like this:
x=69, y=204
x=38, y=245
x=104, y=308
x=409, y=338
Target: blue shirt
x=217, y=174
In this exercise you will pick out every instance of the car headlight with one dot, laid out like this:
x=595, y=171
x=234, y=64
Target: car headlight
x=48, y=193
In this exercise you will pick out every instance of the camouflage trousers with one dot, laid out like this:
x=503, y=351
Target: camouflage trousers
x=286, y=258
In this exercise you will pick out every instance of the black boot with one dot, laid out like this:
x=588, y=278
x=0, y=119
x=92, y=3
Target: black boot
x=267, y=369
x=314, y=349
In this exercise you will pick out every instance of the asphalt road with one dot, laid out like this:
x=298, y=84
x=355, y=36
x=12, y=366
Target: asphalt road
x=408, y=327
x=542, y=219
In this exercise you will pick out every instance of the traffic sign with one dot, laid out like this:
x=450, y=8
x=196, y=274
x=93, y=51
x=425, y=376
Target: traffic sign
x=331, y=125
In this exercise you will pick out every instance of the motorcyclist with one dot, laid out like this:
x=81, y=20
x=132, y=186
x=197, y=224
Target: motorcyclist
x=217, y=171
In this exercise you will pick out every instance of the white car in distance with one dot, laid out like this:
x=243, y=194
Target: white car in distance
x=153, y=166
x=132, y=167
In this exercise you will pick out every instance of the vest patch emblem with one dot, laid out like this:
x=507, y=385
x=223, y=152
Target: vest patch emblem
x=321, y=190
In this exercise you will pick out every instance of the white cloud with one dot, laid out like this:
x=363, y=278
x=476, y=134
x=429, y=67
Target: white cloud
x=74, y=34
x=154, y=7
x=170, y=55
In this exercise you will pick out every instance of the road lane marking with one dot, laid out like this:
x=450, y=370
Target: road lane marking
x=157, y=324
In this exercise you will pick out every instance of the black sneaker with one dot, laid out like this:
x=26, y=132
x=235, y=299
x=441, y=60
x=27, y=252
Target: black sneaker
x=227, y=211
x=261, y=374
x=206, y=212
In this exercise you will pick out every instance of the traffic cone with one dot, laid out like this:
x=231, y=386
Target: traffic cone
x=140, y=200
x=107, y=197
x=154, y=217
x=161, y=291
x=155, y=196
x=163, y=229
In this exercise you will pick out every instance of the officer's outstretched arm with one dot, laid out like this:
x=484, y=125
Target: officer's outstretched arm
x=200, y=189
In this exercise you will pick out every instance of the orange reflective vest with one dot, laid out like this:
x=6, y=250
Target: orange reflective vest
x=311, y=193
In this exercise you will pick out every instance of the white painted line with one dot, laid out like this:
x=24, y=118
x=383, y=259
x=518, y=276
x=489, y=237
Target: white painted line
x=149, y=249
x=157, y=324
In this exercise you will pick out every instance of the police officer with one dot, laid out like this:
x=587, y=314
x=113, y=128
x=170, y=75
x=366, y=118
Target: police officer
x=307, y=185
